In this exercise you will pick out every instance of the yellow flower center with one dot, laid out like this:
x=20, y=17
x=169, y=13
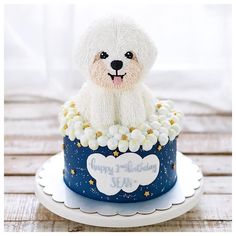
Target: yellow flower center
x=65, y=112
x=124, y=137
x=86, y=125
x=131, y=129
x=150, y=131
x=72, y=104
x=98, y=134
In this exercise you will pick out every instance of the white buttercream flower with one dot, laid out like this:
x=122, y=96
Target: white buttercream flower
x=70, y=115
x=166, y=124
x=153, y=118
x=155, y=125
x=163, y=139
x=123, y=130
x=144, y=127
x=77, y=123
x=162, y=111
x=135, y=134
x=163, y=130
x=134, y=145
x=93, y=144
x=172, y=134
x=78, y=118
x=117, y=136
x=177, y=128
x=123, y=145
x=84, y=141
x=79, y=132
x=156, y=132
x=176, y=119
x=152, y=138
x=161, y=118
x=90, y=133
x=112, y=143
x=147, y=145
x=71, y=134
x=102, y=140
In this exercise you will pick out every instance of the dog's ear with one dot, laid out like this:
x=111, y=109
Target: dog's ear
x=147, y=52
x=82, y=56
x=144, y=47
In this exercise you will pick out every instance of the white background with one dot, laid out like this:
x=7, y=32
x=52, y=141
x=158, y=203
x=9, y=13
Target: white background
x=194, y=44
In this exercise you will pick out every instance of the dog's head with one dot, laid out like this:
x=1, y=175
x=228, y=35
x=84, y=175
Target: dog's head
x=115, y=54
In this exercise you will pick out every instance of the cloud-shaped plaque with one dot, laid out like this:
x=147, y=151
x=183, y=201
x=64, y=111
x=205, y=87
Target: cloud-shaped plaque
x=125, y=172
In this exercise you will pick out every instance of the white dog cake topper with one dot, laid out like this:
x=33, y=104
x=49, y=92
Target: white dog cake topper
x=115, y=55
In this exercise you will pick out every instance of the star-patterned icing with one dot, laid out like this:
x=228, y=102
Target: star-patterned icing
x=76, y=159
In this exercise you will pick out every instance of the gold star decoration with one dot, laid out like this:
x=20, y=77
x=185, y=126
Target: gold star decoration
x=91, y=182
x=115, y=153
x=159, y=147
x=150, y=131
x=78, y=144
x=173, y=166
x=98, y=134
x=72, y=172
x=172, y=121
x=146, y=193
x=124, y=137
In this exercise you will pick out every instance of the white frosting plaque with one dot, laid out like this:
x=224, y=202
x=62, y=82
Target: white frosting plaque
x=125, y=172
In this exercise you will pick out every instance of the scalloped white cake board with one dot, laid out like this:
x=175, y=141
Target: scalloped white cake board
x=59, y=199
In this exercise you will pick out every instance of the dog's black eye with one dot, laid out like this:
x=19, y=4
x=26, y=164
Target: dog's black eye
x=129, y=55
x=104, y=55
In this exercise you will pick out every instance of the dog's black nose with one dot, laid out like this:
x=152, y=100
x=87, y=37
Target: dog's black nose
x=116, y=65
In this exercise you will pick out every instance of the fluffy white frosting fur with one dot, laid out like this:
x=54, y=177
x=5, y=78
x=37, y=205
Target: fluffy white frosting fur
x=103, y=107
x=101, y=103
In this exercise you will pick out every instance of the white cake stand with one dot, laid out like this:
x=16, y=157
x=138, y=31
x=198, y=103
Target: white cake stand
x=174, y=203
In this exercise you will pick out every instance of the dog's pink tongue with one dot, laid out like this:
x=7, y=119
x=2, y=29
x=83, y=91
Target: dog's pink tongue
x=117, y=80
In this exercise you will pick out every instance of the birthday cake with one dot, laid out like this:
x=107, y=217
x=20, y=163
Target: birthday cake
x=119, y=142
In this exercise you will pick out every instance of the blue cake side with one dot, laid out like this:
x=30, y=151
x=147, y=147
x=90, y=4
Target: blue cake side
x=78, y=178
